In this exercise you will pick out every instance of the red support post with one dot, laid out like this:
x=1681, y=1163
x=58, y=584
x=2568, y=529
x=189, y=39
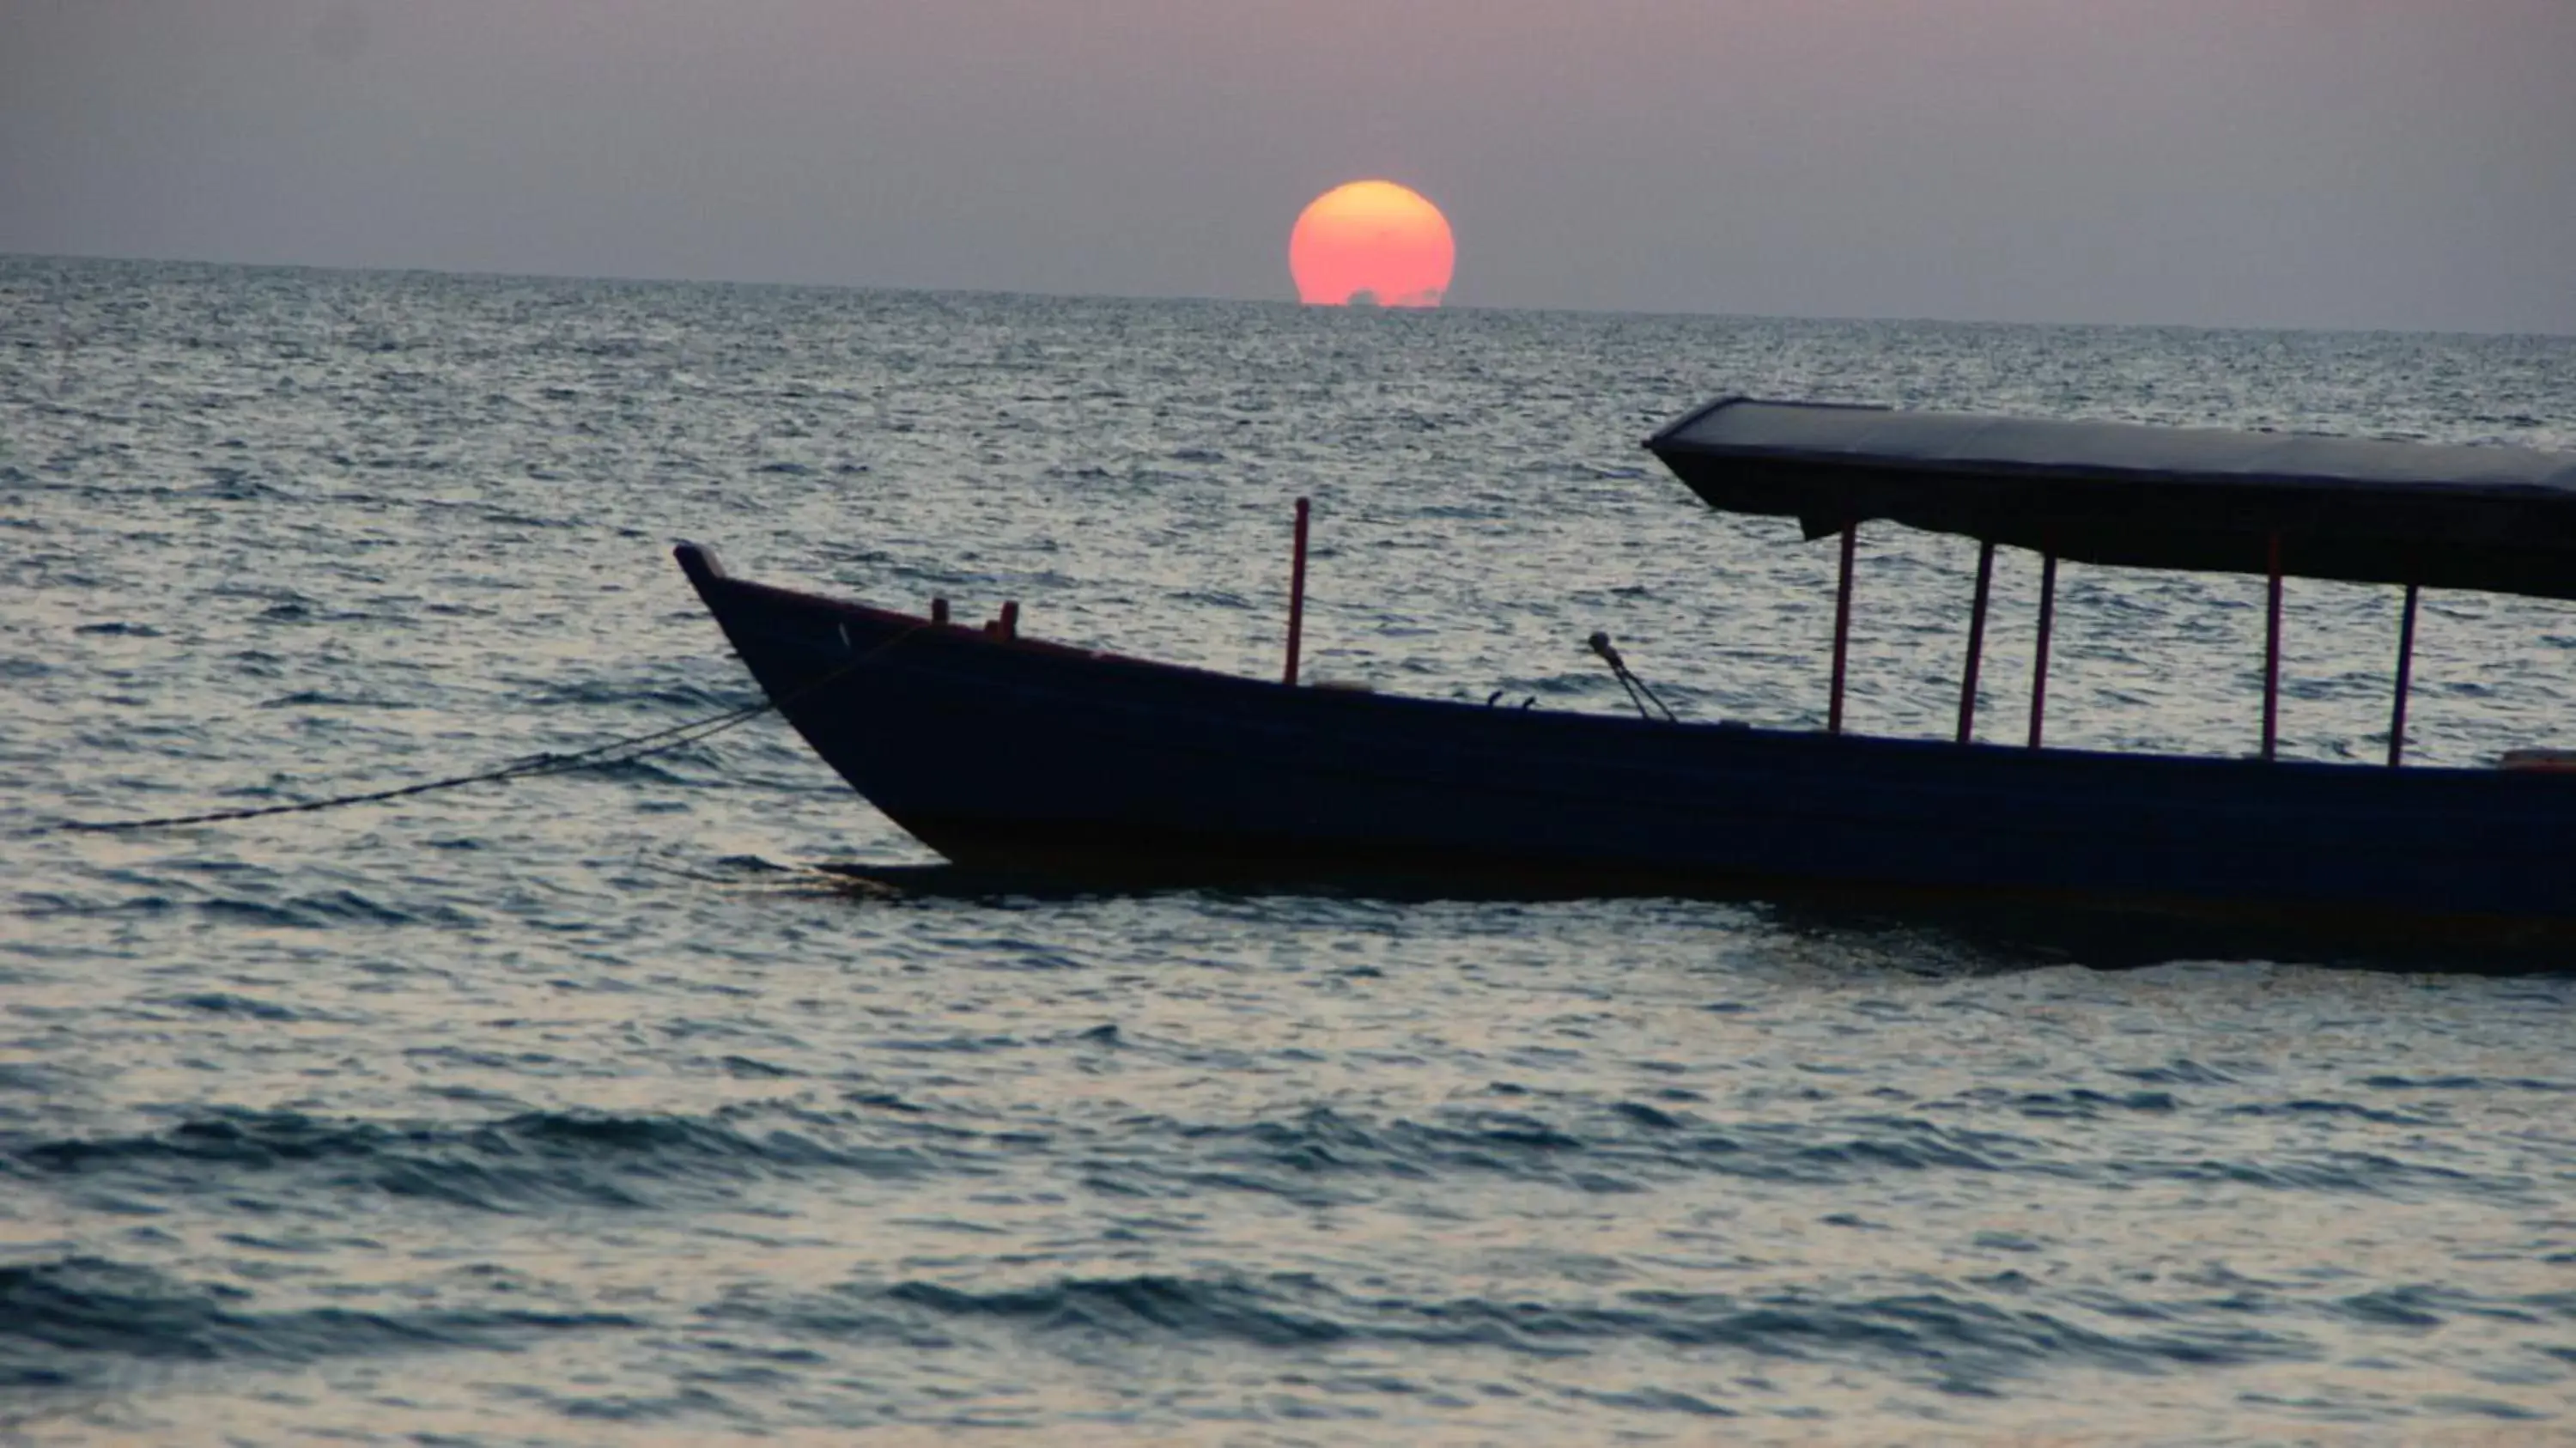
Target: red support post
x=1976, y=643
x=1842, y=630
x=2039, y=655
x=2272, y=650
x=2405, y=679
x=1296, y=595
x=1011, y=618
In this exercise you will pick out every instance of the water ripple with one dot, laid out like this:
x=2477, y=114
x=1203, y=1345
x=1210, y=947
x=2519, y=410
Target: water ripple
x=596, y=1108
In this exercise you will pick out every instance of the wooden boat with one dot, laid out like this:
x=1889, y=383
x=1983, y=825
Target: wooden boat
x=1034, y=757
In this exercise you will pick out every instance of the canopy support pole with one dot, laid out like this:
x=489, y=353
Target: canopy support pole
x=2272, y=651
x=1296, y=596
x=1976, y=643
x=2039, y=656
x=1842, y=630
x=2405, y=679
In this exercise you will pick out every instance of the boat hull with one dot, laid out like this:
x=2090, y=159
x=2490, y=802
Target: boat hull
x=1024, y=756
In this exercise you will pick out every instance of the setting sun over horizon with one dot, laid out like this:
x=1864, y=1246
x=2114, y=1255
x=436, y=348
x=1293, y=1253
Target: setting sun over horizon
x=1372, y=243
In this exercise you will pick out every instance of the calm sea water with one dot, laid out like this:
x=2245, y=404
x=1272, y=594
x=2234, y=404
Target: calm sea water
x=586, y=1110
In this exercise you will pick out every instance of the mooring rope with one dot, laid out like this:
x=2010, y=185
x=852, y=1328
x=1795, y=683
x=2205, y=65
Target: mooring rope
x=602, y=756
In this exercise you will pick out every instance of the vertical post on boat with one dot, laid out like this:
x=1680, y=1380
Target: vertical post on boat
x=2039, y=653
x=2272, y=649
x=2405, y=679
x=1842, y=630
x=1976, y=642
x=1296, y=594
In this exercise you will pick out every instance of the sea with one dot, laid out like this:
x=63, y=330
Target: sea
x=604, y=1107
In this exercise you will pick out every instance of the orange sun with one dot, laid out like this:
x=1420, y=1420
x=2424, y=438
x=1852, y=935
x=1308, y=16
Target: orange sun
x=1372, y=243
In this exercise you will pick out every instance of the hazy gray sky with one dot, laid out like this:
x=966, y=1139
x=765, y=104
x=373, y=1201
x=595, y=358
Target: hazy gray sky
x=2339, y=163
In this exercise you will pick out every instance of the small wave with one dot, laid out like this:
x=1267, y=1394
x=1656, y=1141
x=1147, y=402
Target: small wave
x=254, y=912
x=2465, y=1083
x=2180, y=1071
x=1932, y=1147
x=599, y=694
x=2319, y=1110
x=1653, y=1400
x=531, y=1161
x=1941, y=1335
x=1629, y=1139
x=756, y=864
x=747, y=1068
x=968, y=1045
x=646, y=771
x=220, y=1003
x=313, y=698
x=68, y=1323
x=1324, y=1158
x=317, y=912
x=1652, y=1117
x=231, y=485
x=1954, y=1336
x=2082, y=1105
x=2359, y=1173
x=1136, y=1308
x=2412, y=1308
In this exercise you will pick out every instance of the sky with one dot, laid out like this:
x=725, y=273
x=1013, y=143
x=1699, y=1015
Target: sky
x=2295, y=163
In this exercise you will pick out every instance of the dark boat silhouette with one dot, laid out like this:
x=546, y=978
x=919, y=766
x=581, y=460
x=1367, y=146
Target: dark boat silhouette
x=1034, y=759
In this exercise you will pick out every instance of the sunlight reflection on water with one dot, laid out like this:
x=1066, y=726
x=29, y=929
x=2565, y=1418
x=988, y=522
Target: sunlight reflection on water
x=583, y=1110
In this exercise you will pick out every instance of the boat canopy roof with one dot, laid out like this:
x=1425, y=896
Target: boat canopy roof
x=2500, y=519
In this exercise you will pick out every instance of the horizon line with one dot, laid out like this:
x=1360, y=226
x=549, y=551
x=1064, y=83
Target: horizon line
x=1287, y=302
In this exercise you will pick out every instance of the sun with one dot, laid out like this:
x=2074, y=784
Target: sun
x=1372, y=243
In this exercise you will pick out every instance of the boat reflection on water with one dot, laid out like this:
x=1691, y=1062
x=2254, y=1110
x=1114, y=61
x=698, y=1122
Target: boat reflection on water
x=1917, y=932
